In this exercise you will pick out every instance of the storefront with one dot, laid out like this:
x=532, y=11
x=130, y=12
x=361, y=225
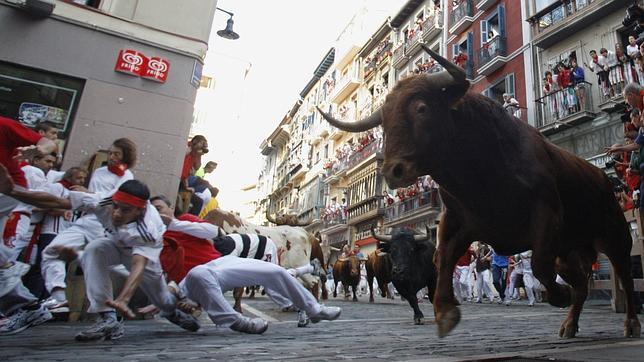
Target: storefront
x=97, y=85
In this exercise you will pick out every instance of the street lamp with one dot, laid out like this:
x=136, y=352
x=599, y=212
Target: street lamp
x=228, y=33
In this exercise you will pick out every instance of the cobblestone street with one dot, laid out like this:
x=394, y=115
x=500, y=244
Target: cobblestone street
x=382, y=330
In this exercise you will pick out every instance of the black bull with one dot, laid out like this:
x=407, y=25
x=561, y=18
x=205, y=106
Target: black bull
x=412, y=266
x=501, y=182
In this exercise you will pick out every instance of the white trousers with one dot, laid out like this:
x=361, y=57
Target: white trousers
x=19, y=296
x=75, y=237
x=461, y=282
x=207, y=283
x=529, y=282
x=98, y=260
x=483, y=281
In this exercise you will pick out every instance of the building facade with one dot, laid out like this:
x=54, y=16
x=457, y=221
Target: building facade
x=101, y=70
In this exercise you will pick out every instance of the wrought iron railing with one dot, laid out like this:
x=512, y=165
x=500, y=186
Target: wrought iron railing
x=493, y=48
x=563, y=103
x=423, y=200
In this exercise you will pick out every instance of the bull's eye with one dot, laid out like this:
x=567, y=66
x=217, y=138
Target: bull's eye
x=421, y=108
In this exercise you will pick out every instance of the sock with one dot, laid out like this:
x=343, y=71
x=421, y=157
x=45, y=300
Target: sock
x=59, y=294
x=111, y=315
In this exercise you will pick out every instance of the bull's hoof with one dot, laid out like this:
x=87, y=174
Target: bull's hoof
x=447, y=321
x=568, y=329
x=355, y=299
x=371, y=300
x=632, y=328
x=419, y=321
x=238, y=310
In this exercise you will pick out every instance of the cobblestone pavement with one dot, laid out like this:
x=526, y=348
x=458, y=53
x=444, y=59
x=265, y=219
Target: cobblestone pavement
x=379, y=331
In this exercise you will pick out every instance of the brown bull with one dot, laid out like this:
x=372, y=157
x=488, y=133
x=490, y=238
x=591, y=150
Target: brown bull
x=316, y=253
x=504, y=183
x=346, y=271
x=379, y=266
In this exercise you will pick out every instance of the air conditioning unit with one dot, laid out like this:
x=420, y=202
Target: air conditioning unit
x=37, y=8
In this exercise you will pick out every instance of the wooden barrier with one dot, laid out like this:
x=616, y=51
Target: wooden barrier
x=618, y=302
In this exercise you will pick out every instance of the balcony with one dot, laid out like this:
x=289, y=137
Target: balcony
x=432, y=26
x=414, y=40
x=369, y=68
x=492, y=56
x=331, y=217
x=365, y=210
x=359, y=156
x=400, y=56
x=346, y=85
x=461, y=17
x=557, y=21
x=484, y=4
x=565, y=108
x=384, y=52
x=414, y=206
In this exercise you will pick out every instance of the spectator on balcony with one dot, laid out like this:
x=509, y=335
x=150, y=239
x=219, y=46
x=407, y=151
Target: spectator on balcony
x=460, y=59
x=511, y=105
x=564, y=79
x=613, y=71
x=388, y=198
x=550, y=92
x=579, y=82
x=626, y=71
x=632, y=50
x=491, y=45
x=598, y=64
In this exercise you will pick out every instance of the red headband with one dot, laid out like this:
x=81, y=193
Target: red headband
x=131, y=200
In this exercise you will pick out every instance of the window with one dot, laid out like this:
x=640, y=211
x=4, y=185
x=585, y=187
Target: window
x=541, y=4
x=494, y=25
x=33, y=96
x=205, y=82
x=504, y=85
x=326, y=151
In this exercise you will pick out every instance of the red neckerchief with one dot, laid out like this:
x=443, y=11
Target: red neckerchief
x=118, y=169
x=66, y=184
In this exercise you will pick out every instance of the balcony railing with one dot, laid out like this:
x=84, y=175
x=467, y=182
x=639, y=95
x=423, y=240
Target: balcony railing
x=561, y=106
x=424, y=200
x=363, y=207
x=432, y=25
x=384, y=51
x=457, y=18
x=368, y=150
x=496, y=47
x=335, y=217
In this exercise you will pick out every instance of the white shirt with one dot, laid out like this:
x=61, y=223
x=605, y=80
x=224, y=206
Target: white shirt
x=632, y=50
x=105, y=183
x=144, y=236
x=36, y=181
x=56, y=224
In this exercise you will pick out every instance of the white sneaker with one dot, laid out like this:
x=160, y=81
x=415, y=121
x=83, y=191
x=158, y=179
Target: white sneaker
x=56, y=306
x=250, y=326
x=11, y=276
x=303, y=319
x=326, y=314
x=24, y=319
x=103, y=329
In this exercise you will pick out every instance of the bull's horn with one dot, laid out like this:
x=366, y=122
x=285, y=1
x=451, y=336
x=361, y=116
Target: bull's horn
x=455, y=87
x=382, y=238
x=362, y=125
x=333, y=248
x=306, y=222
x=269, y=218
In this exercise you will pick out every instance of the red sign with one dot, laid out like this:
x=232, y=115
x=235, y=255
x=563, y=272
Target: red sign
x=131, y=62
x=157, y=69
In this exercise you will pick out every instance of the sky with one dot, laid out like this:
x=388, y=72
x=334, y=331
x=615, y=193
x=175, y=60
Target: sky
x=260, y=75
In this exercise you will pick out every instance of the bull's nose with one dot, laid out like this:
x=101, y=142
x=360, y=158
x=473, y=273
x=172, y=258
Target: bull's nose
x=398, y=174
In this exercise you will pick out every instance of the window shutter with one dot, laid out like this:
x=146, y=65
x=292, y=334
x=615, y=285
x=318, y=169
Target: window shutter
x=483, y=32
x=501, y=15
x=509, y=85
x=470, y=54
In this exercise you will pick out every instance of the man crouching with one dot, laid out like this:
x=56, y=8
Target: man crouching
x=133, y=237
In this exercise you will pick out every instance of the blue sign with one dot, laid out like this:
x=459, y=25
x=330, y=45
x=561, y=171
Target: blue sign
x=195, y=80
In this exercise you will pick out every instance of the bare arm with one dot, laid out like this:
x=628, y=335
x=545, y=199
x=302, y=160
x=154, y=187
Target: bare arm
x=43, y=200
x=131, y=284
x=625, y=148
